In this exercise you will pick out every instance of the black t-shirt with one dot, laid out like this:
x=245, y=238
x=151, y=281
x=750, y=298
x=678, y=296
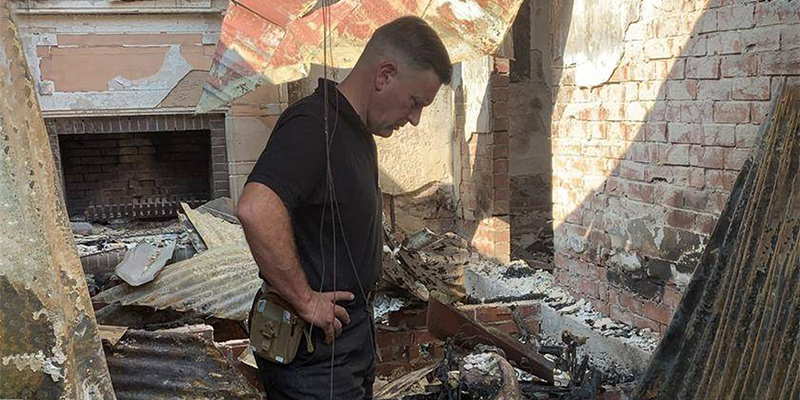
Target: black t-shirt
x=347, y=230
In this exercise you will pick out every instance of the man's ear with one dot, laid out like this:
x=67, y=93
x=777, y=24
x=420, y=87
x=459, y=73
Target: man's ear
x=387, y=71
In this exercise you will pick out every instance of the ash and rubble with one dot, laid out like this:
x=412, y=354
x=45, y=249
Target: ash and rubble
x=516, y=281
x=91, y=239
x=620, y=351
x=421, y=264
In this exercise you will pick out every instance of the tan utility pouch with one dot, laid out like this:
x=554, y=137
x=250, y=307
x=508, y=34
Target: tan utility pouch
x=276, y=330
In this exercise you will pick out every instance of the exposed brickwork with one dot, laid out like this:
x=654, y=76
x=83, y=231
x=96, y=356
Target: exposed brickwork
x=407, y=345
x=127, y=128
x=485, y=186
x=119, y=168
x=643, y=164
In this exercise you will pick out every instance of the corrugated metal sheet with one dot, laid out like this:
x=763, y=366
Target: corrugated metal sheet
x=272, y=42
x=216, y=232
x=49, y=345
x=173, y=365
x=219, y=282
x=735, y=333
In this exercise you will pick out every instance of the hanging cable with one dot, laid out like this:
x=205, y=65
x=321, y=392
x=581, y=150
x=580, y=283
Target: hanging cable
x=330, y=189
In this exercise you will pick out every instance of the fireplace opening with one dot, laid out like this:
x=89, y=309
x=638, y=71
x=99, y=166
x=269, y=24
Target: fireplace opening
x=135, y=175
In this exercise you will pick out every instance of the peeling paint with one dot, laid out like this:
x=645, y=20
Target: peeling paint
x=174, y=68
x=192, y=33
x=627, y=261
x=595, y=43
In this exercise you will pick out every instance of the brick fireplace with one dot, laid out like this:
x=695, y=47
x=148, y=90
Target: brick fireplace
x=139, y=166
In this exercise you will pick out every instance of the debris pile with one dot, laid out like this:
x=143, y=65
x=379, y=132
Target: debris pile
x=484, y=373
x=485, y=281
x=533, y=240
x=170, y=290
x=103, y=248
x=150, y=292
x=492, y=282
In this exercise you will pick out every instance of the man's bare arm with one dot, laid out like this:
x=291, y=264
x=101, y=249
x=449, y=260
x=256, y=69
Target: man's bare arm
x=268, y=230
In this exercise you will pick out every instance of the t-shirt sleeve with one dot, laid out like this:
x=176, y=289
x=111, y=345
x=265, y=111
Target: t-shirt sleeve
x=293, y=162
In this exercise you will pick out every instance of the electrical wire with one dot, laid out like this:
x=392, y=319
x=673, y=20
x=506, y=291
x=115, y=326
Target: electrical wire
x=330, y=189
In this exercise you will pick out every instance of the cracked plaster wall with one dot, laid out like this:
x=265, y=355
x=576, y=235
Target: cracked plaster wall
x=145, y=57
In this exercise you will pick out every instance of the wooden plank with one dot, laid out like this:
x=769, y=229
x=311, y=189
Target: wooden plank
x=444, y=321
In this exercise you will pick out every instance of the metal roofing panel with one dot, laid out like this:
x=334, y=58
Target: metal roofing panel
x=734, y=335
x=274, y=42
x=219, y=282
x=215, y=231
x=173, y=365
x=49, y=344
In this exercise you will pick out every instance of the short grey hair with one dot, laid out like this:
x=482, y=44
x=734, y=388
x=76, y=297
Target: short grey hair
x=416, y=42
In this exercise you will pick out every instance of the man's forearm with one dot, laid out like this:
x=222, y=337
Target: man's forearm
x=268, y=230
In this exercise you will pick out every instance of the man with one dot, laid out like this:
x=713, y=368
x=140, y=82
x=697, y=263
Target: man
x=312, y=212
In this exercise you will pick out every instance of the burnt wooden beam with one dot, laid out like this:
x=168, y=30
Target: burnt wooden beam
x=444, y=321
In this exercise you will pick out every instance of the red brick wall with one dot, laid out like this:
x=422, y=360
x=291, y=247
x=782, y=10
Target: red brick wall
x=484, y=189
x=644, y=163
x=406, y=344
x=118, y=168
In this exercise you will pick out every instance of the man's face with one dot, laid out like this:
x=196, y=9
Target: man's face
x=401, y=92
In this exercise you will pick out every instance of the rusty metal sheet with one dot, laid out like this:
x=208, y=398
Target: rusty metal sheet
x=173, y=365
x=220, y=282
x=49, y=344
x=446, y=322
x=273, y=42
x=734, y=334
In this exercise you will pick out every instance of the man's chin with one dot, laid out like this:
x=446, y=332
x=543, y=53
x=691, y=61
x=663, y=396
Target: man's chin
x=385, y=133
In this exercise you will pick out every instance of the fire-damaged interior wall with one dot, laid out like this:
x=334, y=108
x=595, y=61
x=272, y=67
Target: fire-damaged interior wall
x=656, y=106
x=529, y=110
x=108, y=164
x=142, y=60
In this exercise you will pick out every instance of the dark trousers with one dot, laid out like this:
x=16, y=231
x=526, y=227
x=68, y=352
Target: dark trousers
x=350, y=360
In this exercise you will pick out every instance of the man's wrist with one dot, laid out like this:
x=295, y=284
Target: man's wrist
x=304, y=301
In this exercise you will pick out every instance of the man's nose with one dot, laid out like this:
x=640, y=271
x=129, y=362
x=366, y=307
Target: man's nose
x=414, y=117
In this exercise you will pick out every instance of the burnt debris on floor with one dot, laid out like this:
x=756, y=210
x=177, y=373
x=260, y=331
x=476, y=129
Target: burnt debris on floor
x=452, y=322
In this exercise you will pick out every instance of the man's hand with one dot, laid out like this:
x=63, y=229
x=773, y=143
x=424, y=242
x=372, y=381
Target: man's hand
x=322, y=311
x=268, y=230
